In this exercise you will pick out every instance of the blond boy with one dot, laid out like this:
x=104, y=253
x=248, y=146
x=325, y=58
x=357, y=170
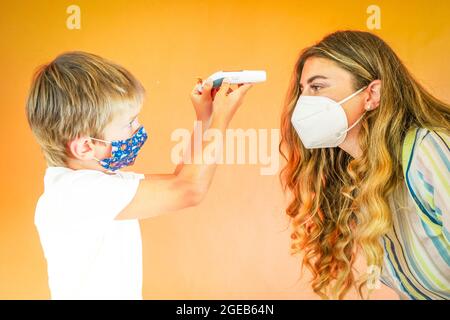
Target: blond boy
x=83, y=111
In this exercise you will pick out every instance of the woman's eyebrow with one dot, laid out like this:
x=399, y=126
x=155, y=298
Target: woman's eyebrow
x=311, y=79
x=315, y=77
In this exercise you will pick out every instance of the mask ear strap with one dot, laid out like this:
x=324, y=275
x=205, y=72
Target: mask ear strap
x=356, y=122
x=351, y=127
x=352, y=95
x=100, y=140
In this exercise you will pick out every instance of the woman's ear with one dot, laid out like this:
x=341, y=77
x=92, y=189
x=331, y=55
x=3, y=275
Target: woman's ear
x=81, y=148
x=373, y=99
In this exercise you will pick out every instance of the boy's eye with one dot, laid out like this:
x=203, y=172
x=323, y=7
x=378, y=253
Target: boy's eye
x=131, y=122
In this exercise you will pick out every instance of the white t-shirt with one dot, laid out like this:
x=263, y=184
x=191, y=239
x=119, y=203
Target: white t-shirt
x=89, y=254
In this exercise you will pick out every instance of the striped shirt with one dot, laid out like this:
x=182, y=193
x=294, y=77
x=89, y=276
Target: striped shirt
x=417, y=249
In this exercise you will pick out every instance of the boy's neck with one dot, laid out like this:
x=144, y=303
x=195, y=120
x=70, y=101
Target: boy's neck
x=76, y=164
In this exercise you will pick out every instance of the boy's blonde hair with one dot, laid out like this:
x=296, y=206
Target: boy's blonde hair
x=77, y=94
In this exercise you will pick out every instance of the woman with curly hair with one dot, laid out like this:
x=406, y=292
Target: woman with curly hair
x=368, y=170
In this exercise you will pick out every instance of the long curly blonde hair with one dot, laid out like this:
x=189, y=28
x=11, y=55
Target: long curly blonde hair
x=340, y=204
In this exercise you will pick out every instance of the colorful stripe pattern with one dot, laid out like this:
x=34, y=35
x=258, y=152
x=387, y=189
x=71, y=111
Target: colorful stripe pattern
x=417, y=249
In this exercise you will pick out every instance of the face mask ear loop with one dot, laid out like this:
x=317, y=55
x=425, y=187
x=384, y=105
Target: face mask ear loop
x=356, y=122
x=351, y=127
x=100, y=140
x=345, y=100
x=351, y=96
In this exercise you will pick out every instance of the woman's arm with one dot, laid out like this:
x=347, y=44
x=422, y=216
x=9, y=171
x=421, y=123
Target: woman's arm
x=428, y=178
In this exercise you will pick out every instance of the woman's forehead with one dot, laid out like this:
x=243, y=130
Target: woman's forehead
x=322, y=68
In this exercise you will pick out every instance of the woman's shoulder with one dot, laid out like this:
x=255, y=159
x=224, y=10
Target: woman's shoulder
x=435, y=138
x=426, y=162
x=428, y=145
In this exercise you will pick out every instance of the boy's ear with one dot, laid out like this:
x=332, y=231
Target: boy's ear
x=81, y=148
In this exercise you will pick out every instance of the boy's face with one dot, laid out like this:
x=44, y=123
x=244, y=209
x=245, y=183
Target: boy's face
x=122, y=127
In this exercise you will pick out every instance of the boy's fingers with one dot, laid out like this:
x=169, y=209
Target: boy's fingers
x=195, y=90
x=224, y=88
x=242, y=89
x=214, y=92
x=207, y=87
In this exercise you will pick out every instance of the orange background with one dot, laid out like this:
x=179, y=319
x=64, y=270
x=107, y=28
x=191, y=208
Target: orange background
x=236, y=243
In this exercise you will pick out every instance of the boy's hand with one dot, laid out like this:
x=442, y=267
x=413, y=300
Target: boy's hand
x=227, y=101
x=203, y=101
x=187, y=187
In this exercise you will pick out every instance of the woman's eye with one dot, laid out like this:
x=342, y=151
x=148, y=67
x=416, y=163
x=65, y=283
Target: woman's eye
x=315, y=88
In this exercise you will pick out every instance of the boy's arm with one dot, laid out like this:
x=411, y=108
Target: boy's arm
x=187, y=186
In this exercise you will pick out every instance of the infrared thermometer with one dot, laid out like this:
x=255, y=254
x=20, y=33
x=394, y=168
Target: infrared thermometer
x=235, y=77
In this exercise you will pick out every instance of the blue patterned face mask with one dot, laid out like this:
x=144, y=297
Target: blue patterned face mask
x=124, y=152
